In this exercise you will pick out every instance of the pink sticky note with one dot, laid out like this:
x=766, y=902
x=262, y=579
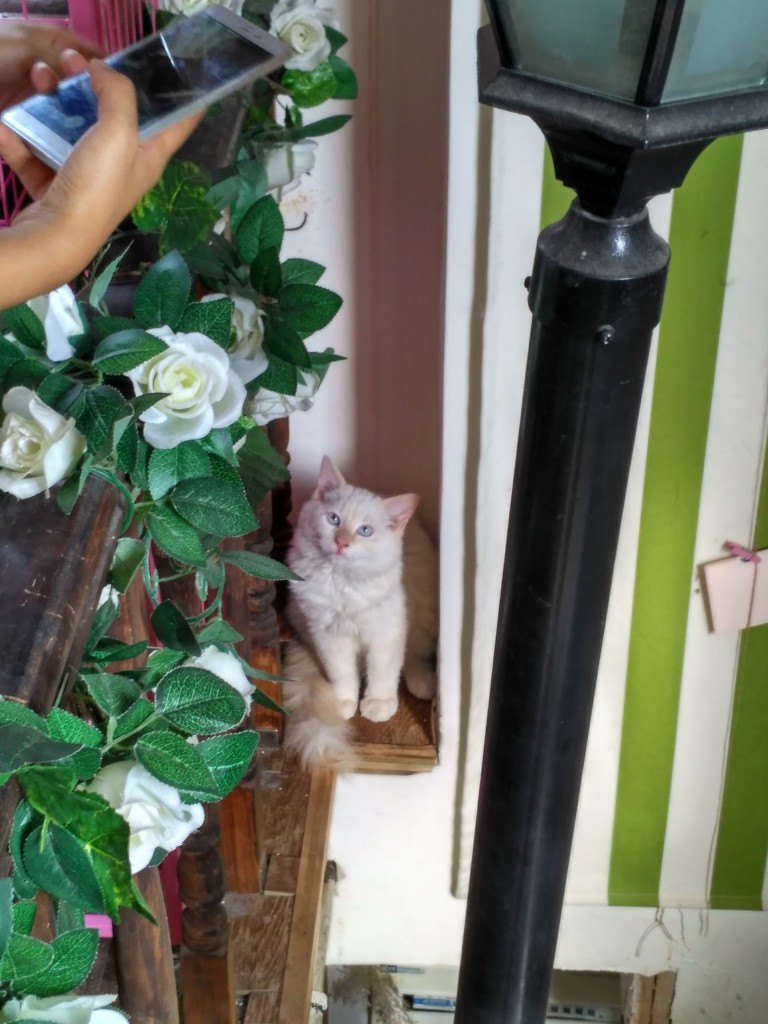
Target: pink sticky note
x=736, y=593
x=101, y=923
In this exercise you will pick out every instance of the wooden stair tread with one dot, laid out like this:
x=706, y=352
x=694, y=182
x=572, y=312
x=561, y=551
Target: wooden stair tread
x=406, y=743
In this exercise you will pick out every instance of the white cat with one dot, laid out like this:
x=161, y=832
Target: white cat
x=368, y=597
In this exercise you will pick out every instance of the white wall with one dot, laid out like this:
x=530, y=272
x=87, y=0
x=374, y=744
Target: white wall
x=423, y=317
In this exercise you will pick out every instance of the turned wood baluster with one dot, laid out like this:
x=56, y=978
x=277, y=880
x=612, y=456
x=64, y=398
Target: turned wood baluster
x=282, y=531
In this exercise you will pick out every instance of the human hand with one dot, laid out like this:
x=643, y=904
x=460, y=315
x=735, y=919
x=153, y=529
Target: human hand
x=106, y=174
x=33, y=56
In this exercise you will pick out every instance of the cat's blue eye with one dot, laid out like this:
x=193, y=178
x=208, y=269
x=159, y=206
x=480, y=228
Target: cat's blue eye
x=333, y=519
x=365, y=531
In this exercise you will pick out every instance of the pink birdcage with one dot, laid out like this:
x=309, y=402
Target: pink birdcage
x=112, y=24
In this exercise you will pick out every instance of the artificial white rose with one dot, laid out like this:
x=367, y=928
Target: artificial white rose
x=226, y=667
x=61, y=320
x=38, y=446
x=266, y=406
x=246, y=356
x=154, y=811
x=203, y=391
x=62, y=1010
x=189, y=7
x=301, y=26
x=286, y=162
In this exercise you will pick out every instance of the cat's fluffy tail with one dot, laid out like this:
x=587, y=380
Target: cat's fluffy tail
x=315, y=731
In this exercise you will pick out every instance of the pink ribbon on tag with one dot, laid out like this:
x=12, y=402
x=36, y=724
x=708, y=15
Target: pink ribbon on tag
x=745, y=554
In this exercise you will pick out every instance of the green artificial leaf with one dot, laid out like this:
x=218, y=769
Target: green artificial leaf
x=163, y=292
x=24, y=820
x=228, y=757
x=68, y=918
x=141, y=403
x=104, y=326
x=74, y=955
x=176, y=537
x=55, y=860
x=102, y=832
x=59, y=392
x=214, y=506
x=108, y=650
x=68, y=493
x=253, y=184
x=23, y=917
x=99, y=287
x=219, y=442
x=131, y=720
x=25, y=960
x=261, y=566
x=26, y=326
x=266, y=276
x=325, y=126
x=112, y=693
x=11, y=712
x=126, y=562
x=213, y=319
x=9, y=355
x=177, y=207
x=308, y=307
x=6, y=913
x=106, y=615
x=279, y=376
x=160, y=662
x=169, y=757
x=346, y=80
x=261, y=228
x=225, y=191
x=219, y=632
x=336, y=38
x=311, y=88
x=261, y=468
x=298, y=271
x=97, y=414
x=28, y=373
x=169, y=466
x=322, y=360
x=70, y=729
x=195, y=700
x=172, y=629
x=126, y=350
x=20, y=745
x=281, y=340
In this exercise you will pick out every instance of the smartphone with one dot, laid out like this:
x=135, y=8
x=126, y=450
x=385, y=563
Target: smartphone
x=194, y=61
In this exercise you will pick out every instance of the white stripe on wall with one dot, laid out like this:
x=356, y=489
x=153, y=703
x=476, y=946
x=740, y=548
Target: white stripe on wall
x=727, y=511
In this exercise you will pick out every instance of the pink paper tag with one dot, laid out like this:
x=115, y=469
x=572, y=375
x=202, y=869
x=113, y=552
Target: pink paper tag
x=736, y=591
x=101, y=923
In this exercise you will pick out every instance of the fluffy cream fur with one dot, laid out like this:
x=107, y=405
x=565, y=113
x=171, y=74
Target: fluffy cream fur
x=368, y=598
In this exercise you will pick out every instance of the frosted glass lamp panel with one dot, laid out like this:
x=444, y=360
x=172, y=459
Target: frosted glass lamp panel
x=597, y=45
x=722, y=46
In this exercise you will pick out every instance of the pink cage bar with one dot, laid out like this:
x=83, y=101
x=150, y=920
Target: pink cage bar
x=112, y=24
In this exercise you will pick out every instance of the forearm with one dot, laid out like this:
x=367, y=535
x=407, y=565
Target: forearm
x=38, y=253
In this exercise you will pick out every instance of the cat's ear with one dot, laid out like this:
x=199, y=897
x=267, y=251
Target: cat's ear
x=400, y=509
x=330, y=479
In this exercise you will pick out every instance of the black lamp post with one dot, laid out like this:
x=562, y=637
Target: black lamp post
x=627, y=93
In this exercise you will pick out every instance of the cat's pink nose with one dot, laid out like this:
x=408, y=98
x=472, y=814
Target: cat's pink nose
x=341, y=544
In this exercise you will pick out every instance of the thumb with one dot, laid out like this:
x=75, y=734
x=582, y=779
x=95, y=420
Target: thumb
x=115, y=95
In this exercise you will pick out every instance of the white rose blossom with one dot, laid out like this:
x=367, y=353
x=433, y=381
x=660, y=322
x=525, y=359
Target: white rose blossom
x=246, y=356
x=266, y=405
x=301, y=26
x=62, y=1010
x=154, y=811
x=189, y=7
x=226, y=667
x=203, y=391
x=61, y=320
x=38, y=446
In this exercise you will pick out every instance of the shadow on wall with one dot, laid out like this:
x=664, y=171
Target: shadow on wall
x=400, y=208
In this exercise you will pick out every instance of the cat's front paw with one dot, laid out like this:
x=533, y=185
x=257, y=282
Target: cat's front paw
x=347, y=708
x=378, y=710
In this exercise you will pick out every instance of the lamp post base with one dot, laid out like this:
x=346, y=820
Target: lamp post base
x=596, y=296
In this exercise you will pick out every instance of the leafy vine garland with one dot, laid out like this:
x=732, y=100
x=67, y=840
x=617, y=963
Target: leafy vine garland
x=165, y=401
